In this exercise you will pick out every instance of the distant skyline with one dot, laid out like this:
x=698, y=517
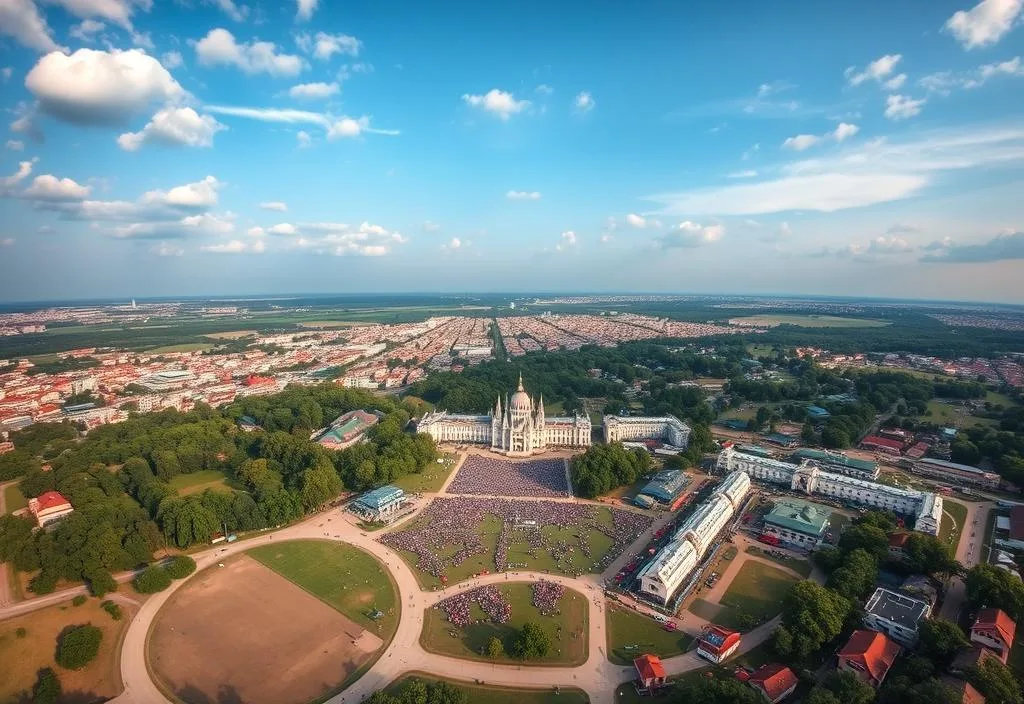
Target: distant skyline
x=233, y=148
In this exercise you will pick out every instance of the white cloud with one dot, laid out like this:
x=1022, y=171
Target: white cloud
x=7, y=242
x=523, y=195
x=191, y=226
x=353, y=127
x=143, y=39
x=219, y=47
x=237, y=13
x=305, y=9
x=21, y=20
x=15, y=145
x=544, y=89
x=117, y=11
x=314, y=90
x=176, y=127
x=889, y=245
x=567, y=241
x=634, y=220
x=801, y=142
x=896, y=82
x=606, y=238
x=192, y=196
x=844, y=131
x=86, y=29
x=901, y=107
x=878, y=70
x=499, y=102
x=748, y=154
x=234, y=247
x=584, y=102
x=691, y=234
x=23, y=172
x=766, y=89
x=747, y=173
x=275, y=205
x=303, y=139
x=172, y=59
x=323, y=46
x=285, y=229
x=454, y=243
x=94, y=87
x=945, y=81
x=166, y=249
x=6, y=72
x=334, y=126
x=256, y=232
x=50, y=188
x=985, y=23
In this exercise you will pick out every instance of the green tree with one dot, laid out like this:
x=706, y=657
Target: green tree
x=941, y=640
x=855, y=577
x=762, y=416
x=319, y=485
x=495, y=649
x=179, y=566
x=47, y=688
x=151, y=580
x=77, y=646
x=866, y=537
x=820, y=695
x=926, y=554
x=812, y=616
x=532, y=642
x=992, y=587
x=996, y=681
x=715, y=690
x=848, y=689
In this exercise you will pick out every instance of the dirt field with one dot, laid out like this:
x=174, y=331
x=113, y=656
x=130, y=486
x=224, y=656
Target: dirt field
x=21, y=658
x=245, y=633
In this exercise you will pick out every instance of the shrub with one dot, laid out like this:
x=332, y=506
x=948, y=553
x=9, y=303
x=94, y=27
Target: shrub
x=101, y=582
x=21, y=633
x=77, y=646
x=180, y=566
x=78, y=600
x=151, y=580
x=47, y=688
x=43, y=583
x=113, y=609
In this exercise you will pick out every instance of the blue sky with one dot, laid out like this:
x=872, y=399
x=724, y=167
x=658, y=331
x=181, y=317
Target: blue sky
x=219, y=146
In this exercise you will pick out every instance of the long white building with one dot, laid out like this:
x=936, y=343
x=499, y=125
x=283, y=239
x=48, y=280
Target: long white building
x=520, y=429
x=925, y=507
x=667, y=428
x=675, y=562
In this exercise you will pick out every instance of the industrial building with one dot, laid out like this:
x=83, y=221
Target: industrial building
x=837, y=462
x=664, y=487
x=667, y=428
x=796, y=523
x=924, y=507
x=959, y=474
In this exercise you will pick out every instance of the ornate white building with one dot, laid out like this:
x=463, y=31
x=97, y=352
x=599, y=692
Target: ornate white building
x=925, y=507
x=667, y=428
x=519, y=427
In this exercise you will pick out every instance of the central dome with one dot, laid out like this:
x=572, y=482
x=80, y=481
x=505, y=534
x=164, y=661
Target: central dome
x=520, y=400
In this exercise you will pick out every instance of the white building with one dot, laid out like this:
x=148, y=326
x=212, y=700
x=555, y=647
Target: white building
x=667, y=428
x=675, y=562
x=520, y=429
x=896, y=615
x=925, y=507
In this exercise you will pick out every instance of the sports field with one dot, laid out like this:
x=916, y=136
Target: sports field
x=497, y=695
x=954, y=515
x=754, y=596
x=809, y=321
x=14, y=499
x=630, y=634
x=567, y=630
x=198, y=482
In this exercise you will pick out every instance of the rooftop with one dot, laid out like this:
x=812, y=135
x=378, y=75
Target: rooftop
x=802, y=516
x=875, y=651
x=896, y=608
x=381, y=497
x=836, y=458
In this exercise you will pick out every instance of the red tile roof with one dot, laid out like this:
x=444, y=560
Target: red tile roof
x=882, y=442
x=965, y=693
x=51, y=499
x=649, y=667
x=774, y=679
x=873, y=650
x=998, y=620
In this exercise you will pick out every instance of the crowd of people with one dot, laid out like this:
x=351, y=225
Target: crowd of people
x=457, y=609
x=546, y=595
x=491, y=476
x=457, y=521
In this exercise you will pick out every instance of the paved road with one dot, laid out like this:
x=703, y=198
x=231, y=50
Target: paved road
x=968, y=553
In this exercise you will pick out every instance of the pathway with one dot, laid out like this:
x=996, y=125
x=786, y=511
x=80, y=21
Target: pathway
x=968, y=554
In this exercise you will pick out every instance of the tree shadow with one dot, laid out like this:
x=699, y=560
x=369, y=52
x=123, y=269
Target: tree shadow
x=226, y=694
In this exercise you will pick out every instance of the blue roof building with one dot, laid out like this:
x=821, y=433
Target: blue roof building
x=818, y=413
x=379, y=504
x=666, y=486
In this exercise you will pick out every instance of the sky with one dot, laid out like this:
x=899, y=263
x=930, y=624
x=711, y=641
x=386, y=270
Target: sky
x=194, y=147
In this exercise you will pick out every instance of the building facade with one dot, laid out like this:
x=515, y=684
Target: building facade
x=668, y=429
x=924, y=507
x=896, y=615
x=796, y=523
x=518, y=427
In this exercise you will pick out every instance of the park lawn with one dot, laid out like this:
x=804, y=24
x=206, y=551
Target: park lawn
x=21, y=658
x=954, y=515
x=431, y=479
x=495, y=694
x=941, y=413
x=14, y=499
x=995, y=397
x=184, y=347
x=758, y=589
x=811, y=321
x=801, y=567
x=197, y=482
x=759, y=350
x=231, y=334
x=568, y=630
x=631, y=634
x=344, y=577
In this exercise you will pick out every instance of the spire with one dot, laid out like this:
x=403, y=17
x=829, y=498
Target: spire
x=497, y=407
x=520, y=382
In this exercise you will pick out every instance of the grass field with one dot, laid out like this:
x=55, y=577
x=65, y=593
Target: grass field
x=627, y=628
x=345, y=577
x=953, y=518
x=567, y=630
x=330, y=323
x=185, y=347
x=200, y=481
x=231, y=335
x=21, y=658
x=942, y=413
x=498, y=695
x=801, y=567
x=754, y=596
x=811, y=321
x=14, y=499
x=431, y=479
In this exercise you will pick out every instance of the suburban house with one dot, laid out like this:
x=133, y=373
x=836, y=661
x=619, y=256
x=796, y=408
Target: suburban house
x=650, y=673
x=49, y=507
x=868, y=655
x=964, y=692
x=994, y=630
x=774, y=681
x=717, y=644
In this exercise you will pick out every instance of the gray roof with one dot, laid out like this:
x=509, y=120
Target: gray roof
x=896, y=608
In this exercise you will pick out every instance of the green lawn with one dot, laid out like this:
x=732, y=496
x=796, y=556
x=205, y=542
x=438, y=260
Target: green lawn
x=498, y=695
x=754, y=596
x=627, y=629
x=343, y=576
x=184, y=347
x=811, y=321
x=942, y=413
x=431, y=479
x=567, y=630
x=801, y=567
x=951, y=529
x=200, y=481
x=14, y=499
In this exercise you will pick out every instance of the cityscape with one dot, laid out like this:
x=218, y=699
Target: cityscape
x=546, y=353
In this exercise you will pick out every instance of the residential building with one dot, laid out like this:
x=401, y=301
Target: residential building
x=380, y=504
x=650, y=673
x=995, y=630
x=964, y=692
x=49, y=507
x=971, y=658
x=797, y=523
x=717, y=644
x=1009, y=530
x=668, y=429
x=896, y=615
x=774, y=681
x=868, y=655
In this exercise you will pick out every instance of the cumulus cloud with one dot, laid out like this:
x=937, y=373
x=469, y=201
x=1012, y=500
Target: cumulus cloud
x=498, y=102
x=23, y=172
x=985, y=23
x=691, y=234
x=901, y=107
x=304, y=9
x=118, y=12
x=189, y=226
x=285, y=229
x=341, y=239
x=314, y=91
x=568, y=240
x=190, y=196
x=844, y=131
x=878, y=70
x=896, y=82
x=93, y=87
x=219, y=48
x=7, y=242
x=323, y=45
x=237, y=13
x=801, y=142
x=1009, y=245
x=21, y=20
x=166, y=249
x=234, y=247
x=889, y=245
x=634, y=220
x=544, y=89
x=303, y=138
x=175, y=127
x=275, y=205
x=523, y=195
x=50, y=188
x=454, y=243
x=584, y=102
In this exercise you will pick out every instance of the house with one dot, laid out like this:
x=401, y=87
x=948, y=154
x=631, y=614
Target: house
x=973, y=657
x=964, y=692
x=774, y=681
x=898, y=545
x=868, y=655
x=717, y=644
x=650, y=673
x=49, y=507
x=994, y=630
x=896, y=615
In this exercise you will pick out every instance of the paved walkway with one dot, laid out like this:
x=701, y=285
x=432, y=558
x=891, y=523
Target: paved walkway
x=968, y=553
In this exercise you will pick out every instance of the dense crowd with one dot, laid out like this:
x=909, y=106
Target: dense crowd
x=489, y=598
x=490, y=476
x=456, y=521
x=546, y=595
